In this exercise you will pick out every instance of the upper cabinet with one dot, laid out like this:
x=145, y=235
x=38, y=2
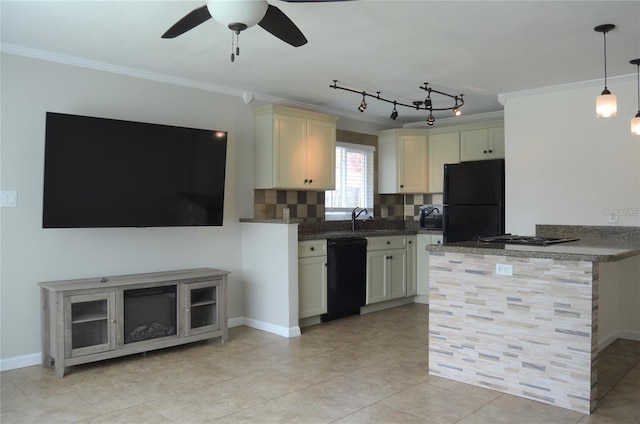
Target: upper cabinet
x=443, y=148
x=482, y=144
x=294, y=149
x=402, y=161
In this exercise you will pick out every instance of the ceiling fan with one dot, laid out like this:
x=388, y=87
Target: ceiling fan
x=239, y=15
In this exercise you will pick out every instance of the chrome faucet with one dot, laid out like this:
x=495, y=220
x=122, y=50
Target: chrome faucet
x=355, y=216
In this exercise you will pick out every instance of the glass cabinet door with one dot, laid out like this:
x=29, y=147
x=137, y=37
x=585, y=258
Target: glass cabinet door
x=89, y=324
x=201, y=307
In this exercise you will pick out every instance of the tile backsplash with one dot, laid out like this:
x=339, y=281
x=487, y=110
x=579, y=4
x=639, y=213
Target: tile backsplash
x=309, y=205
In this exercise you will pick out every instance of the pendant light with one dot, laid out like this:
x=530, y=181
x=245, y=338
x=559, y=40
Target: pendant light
x=635, y=122
x=606, y=102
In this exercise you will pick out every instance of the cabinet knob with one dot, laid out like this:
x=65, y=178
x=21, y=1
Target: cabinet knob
x=401, y=185
x=313, y=248
x=188, y=310
x=388, y=242
x=306, y=181
x=409, y=241
x=490, y=151
x=310, y=181
x=113, y=321
x=484, y=151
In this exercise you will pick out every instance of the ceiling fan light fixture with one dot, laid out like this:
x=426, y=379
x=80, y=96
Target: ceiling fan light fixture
x=235, y=14
x=606, y=104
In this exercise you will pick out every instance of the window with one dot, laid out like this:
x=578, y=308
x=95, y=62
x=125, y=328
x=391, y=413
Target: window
x=354, y=181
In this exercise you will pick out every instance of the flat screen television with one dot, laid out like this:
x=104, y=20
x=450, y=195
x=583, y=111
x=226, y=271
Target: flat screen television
x=102, y=172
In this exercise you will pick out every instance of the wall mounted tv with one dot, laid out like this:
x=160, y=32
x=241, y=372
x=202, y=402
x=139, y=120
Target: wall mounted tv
x=110, y=173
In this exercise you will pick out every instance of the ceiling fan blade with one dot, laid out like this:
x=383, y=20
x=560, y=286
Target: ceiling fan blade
x=190, y=21
x=278, y=24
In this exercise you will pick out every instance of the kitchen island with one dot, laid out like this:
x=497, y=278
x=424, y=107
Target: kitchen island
x=532, y=333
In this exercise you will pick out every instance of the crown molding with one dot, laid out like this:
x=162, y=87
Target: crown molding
x=248, y=97
x=122, y=70
x=503, y=97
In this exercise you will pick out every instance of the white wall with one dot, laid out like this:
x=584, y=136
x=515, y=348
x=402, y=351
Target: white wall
x=30, y=254
x=564, y=165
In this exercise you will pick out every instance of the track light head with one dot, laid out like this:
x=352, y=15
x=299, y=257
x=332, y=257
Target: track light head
x=431, y=120
x=363, y=104
x=394, y=112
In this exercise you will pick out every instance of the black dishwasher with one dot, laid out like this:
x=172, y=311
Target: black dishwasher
x=346, y=277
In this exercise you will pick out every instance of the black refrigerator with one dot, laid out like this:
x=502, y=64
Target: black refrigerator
x=473, y=200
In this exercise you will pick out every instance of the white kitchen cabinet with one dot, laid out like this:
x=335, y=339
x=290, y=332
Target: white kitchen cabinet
x=422, y=259
x=312, y=278
x=412, y=271
x=294, y=149
x=386, y=268
x=482, y=144
x=402, y=161
x=443, y=148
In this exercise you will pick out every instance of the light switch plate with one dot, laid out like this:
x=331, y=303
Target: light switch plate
x=8, y=199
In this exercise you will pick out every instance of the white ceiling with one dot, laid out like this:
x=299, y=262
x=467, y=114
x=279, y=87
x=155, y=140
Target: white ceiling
x=478, y=48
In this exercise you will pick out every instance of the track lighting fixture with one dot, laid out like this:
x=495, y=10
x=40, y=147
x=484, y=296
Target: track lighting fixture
x=606, y=102
x=363, y=103
x=456, y=110
x=394, y=112
x=427, y=104
x=635, y=122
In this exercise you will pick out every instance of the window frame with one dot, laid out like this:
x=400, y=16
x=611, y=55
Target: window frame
x=344, y=213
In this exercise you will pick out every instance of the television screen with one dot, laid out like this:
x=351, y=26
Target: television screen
x=110, y=173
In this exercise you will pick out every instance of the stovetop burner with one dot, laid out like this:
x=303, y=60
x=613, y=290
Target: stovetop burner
x=530, y=240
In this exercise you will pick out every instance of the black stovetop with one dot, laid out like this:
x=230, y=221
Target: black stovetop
x=530, y=240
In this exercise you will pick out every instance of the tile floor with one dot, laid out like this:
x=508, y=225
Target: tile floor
x=362, y=369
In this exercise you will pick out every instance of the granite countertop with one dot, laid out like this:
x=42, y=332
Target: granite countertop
x=342, y=229
x=357, y=233
x=592, y=249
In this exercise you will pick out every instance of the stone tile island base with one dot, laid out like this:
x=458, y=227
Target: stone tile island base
x=532, y=334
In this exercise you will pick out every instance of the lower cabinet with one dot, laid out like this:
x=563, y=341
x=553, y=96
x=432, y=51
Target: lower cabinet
x=422, y=269
x=386, y=268
x=101, y=318
x=312, y=278
x=412, y=265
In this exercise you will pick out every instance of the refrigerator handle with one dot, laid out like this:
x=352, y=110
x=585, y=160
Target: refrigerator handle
x=445, y=188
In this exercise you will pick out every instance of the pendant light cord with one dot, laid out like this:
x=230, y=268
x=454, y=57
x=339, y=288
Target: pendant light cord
x=605, y=59
x=638, y=76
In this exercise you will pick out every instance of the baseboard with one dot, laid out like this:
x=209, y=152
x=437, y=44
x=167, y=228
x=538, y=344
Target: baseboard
x=272, y=328
x=235, y=322
x=381, y=306
x=36, y=358
x=619, y=334
x=421, y=298
x=20, y=362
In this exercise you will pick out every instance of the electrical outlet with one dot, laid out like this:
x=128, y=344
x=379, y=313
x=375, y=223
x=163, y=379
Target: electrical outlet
x=504, y=269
